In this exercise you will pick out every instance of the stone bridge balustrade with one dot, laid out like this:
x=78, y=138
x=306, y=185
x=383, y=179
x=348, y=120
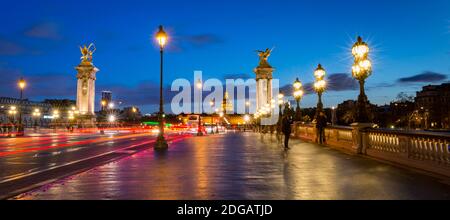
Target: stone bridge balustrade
x=428, y=151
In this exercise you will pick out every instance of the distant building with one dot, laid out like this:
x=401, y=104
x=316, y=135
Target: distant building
x=226, y=106
x=432, y=109
x=131, y=114
x=106, y=99
x=346, y=112
x=397, y=114
x=25, y=108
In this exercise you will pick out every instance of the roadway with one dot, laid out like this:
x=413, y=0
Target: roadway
x=26, y=162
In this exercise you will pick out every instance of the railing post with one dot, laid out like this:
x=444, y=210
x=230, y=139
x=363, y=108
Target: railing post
x=335, y=133
x=359, y=137
x=404, y=144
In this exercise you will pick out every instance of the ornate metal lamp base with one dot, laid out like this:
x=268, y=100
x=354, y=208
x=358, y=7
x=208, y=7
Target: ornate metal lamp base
x=161, y=143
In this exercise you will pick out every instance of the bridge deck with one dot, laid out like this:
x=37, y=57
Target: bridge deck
x=245, y=166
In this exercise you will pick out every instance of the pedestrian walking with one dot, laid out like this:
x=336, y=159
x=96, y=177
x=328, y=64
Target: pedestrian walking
x=321, y=123
x=287, y=130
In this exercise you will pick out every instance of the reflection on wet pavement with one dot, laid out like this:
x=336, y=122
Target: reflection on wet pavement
x=244, y=166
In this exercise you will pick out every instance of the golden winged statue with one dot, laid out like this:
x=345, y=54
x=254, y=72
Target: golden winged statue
x=264, y=56
x=87, y=52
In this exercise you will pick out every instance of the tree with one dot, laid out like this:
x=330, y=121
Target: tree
x=403, y=97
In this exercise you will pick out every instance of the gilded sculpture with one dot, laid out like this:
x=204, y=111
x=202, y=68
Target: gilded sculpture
x=264, y=56
x=87, y=53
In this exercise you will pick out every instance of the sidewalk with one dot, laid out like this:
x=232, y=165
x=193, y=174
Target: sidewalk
x=244, y=166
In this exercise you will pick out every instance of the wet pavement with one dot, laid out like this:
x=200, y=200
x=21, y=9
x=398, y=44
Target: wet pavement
x=244, y=166
x=34, y=153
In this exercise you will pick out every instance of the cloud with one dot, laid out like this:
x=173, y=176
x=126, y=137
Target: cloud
x=336, y=82
x=243, y=76
x=202, y=40
x=45, y=30
x=341, y=82
x=10, y=48
x=426, y=76
x=53, y=85
x=145, y=93
x=381, y=85
x=185, y=42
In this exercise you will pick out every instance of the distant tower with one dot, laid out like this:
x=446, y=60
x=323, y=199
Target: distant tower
x=86, y=87
x=106, y=99
x=263, y=80
x=227, y=106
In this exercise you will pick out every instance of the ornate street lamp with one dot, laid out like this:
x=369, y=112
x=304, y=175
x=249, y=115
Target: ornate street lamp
x=161, y=143
x=298, y=94
x=21, y=84
x=320, y=86
x=36, y=115
x=55, y=118
x=211, y=104
x=103, y=103
x=361, y=70
x=12, y=112
x=280, y=104
x=199, y=87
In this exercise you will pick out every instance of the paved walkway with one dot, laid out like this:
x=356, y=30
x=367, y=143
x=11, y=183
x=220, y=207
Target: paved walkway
x=245, y=166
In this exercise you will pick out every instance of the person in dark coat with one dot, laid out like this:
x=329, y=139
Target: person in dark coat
x=321, y=124
x=286, y=129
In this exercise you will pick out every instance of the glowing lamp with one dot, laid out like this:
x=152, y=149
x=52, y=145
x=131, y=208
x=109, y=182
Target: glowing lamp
x=22, y=84
x=161, y=37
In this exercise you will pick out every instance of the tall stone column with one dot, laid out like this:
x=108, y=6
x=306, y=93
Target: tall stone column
x=86, y=89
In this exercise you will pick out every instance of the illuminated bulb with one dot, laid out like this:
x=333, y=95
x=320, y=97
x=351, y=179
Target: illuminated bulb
x=365, y=64
x=161, y=37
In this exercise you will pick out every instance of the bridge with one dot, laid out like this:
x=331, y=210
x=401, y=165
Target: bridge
x=248, y=165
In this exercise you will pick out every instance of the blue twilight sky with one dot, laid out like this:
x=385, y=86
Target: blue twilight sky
x=410, y=41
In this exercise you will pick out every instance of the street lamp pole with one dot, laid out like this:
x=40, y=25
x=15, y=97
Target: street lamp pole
x=212, y=104
x=161, y=143
x=361, y=70
x=199, y=129
x=21, y=85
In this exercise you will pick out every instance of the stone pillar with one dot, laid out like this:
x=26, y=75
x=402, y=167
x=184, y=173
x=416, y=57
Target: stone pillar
x=263, y=86
x=86, y=93
x=360, y=137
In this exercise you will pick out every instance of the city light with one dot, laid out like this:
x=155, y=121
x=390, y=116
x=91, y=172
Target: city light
x=22, y=84
x=161, y=37
x=112, y=118
x=280, y=101
x=246, y=118
x=12, y=110
x=55, y=114
x=199, y=84
x=36, y=112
